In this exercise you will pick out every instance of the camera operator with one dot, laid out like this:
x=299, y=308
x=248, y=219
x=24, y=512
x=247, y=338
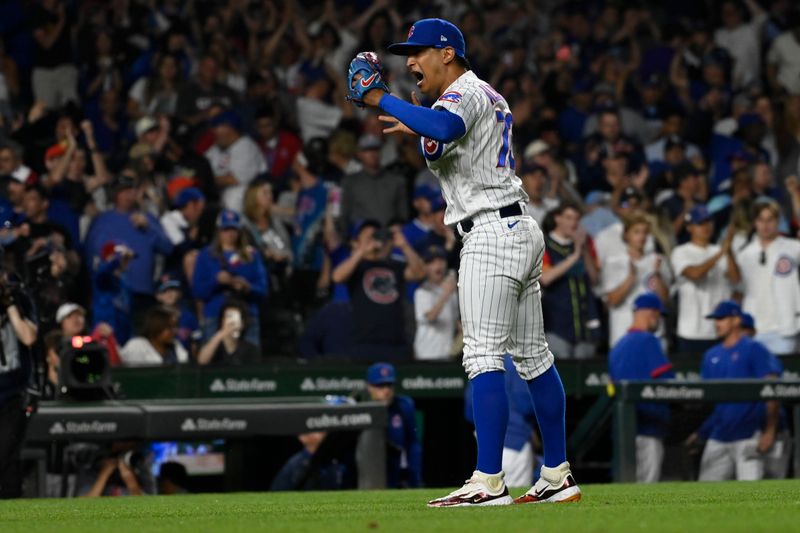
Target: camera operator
x=122, y=470
x=17, y=335
x=46, y=257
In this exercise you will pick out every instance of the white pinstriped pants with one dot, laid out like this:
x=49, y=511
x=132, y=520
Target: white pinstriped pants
x=500, y=297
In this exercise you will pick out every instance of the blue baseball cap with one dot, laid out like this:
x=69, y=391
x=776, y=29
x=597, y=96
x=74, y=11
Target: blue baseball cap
x=725, y=309
x=228, y=118
x=423, y=190
x=168, y=282
x=698, y=214
x=229, y=219
x=360, y=225
x=189, y=194
x=431, y=33
x=748, y=321
x=649, y=300
x=381, y=374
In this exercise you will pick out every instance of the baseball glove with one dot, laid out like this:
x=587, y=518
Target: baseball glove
x=364, y=75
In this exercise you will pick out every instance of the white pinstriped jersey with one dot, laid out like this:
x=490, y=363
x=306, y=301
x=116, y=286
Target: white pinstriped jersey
x=476, y=171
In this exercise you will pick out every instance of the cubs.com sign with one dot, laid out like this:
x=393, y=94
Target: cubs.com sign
x=338, y=421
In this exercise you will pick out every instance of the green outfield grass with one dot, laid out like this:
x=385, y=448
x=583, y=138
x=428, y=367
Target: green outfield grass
x=710, y=507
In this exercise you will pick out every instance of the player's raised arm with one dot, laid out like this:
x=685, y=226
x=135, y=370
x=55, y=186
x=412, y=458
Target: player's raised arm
x=367, y=88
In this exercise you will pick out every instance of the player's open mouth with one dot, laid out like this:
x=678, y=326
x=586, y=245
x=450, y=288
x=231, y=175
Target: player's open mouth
x=419, y=75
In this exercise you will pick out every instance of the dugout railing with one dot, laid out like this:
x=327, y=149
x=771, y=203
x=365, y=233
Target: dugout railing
x=627, y=394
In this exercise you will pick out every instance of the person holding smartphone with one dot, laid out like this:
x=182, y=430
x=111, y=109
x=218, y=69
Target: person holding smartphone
x=228, y=345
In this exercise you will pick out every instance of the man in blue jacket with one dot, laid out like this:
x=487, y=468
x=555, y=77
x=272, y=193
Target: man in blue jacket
x=738, y=434
x=638, y=355
x=141, y=232
x=404, y=457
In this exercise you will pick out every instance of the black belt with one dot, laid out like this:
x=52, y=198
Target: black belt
x=512, y=210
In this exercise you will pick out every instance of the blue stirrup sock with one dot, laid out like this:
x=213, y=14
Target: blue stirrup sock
x=549, y=403
x=490, y=409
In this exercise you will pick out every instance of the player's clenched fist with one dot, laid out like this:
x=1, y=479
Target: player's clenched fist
x=364, y=75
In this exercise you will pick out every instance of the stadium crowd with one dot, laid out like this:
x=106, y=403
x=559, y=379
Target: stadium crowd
x=184, y=180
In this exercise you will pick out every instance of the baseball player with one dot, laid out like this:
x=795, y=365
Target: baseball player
x=466, y=140
x=739, y=434
x=638, y=355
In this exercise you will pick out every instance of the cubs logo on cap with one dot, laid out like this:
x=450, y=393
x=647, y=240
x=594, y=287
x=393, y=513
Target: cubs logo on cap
x=381, y=374
x=725, y=309
x=431, y=33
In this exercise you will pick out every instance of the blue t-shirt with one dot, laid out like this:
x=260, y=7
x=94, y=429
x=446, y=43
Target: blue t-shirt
x=638, y=355
x=731, y=421
x=146, y=242
x=206, y=288
x=307, y=241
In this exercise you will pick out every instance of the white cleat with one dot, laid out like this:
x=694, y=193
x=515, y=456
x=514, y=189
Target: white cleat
x=480, y=489
x=556, y=485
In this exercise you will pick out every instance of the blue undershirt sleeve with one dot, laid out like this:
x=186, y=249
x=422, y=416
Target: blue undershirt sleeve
x=439, y=125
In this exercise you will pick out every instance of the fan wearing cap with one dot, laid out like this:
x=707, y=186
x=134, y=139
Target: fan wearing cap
x=435, y=308
x=169, y=294
x=140, y=231
x=638, y=355
x=404, y=457
x=181, y=223
x=152, y=135
x=111, y=292
x=230, y=267
x=706, y=274
x=737, y=434
x=235, y=158
x=376, y=284
x=427, y=202
x=769, y=268
x=71, y=318
x=373, y=193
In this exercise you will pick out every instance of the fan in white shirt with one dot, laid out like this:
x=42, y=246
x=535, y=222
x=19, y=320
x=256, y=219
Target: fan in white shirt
x=158, y=344
x=435, y=308
x=705, y=275
x=770, y=281
x=235, y=159
x=623, y=277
